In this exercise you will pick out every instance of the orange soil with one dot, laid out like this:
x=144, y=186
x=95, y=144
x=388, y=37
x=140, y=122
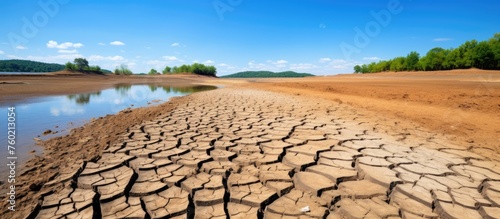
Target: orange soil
x=464, y=104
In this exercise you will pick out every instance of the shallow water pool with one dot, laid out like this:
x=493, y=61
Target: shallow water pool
x=59, y=114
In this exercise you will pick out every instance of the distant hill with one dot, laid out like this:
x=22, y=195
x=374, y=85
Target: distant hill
x=267, y=74
x=15, y=65
x=106, y=71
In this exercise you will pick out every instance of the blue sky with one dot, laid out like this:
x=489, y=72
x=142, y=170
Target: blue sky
x=316, y=36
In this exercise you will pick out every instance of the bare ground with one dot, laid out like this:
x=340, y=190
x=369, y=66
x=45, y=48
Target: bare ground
x=347, y=146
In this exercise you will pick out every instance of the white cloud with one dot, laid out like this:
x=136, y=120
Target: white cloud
x=21, y=47
x=341, y=65
x=278, y=64
x=14, y=57
x=62, y=58
x=170, y=58
x=269, y=65
x=66, y=45
x=302, y=66
x=161, y=63
x=67, y=110
x=2, y=52
x=117, y=43
x=338, y=61
x=155, y=62
x=116, y=58
x=175, y=44
x=106, y=58
x=323, y=60
x=224, y=68
x=441, y=39
x=374, y=58
x=258, y=66
x=67, y=51
x=101, y=44
x=209, y=62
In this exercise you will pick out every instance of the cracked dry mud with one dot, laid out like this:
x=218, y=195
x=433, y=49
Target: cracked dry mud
x=256, y=154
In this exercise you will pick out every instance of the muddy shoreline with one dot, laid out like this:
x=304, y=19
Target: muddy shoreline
x=18, y=88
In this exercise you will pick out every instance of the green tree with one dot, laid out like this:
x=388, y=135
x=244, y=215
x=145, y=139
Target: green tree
x=467, y=54
x=70, y=66
x=94, y=68
x=16, y=65
x=212, y=71
x=364, y=69
x=195, y=68
x=495, y=49
x=167, y=70
x=412, y=61
x=357, y=69
x=82, y=63
x=122, y=70
x=434, y=59
x=398, y=64
x=423, y=64
x=452, y=60
x=184, y=69
x=153, y=72
x=483, y=57
x=379, y=66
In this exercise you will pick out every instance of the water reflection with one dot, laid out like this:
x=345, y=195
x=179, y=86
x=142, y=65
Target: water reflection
x=82, y=99
x=125, y=90
x=188, y=90
x=61, y=113
x=153, y=88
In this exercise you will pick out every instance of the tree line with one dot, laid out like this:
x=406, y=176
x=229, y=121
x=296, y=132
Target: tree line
x=471, y=54
x=82, y=65
x=122, y=70
x=16, y=65
x=196, y=68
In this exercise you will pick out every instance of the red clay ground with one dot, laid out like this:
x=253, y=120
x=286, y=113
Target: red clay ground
x=461, y=103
